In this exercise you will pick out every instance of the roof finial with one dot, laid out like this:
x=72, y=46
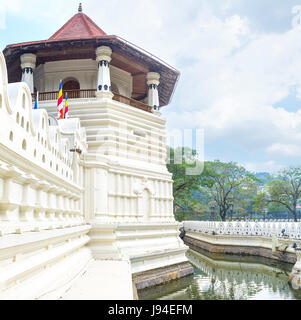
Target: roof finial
x=80, y=9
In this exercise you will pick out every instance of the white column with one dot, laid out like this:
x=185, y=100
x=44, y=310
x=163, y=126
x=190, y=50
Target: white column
x=153, y=95
x=103, y=58
x=28, y=64
x=101, y=192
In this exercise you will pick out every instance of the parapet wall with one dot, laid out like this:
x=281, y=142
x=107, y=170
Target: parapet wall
x=39, y=176
x=286, y=230
x=274, y=240
x=42, y=227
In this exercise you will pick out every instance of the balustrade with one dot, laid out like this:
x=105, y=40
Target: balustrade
x=286, y=230
x=91, y=93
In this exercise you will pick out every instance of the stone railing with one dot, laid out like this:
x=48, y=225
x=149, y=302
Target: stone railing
x=90, y=93
x=132, y=102
x=288, y=230
x=72, y=94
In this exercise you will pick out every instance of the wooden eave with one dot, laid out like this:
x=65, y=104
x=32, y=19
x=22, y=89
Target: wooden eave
x=125, y=56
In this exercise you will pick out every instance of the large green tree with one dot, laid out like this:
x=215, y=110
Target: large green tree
x=198, y=187
x=180, y=163
x=230, y=186
x=283, y=191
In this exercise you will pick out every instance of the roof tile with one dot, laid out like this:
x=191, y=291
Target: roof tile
x=79, y=26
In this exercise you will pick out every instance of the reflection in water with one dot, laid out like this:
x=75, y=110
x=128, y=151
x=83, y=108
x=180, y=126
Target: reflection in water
x=224, y=277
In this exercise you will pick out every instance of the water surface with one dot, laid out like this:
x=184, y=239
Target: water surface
x=228, y=277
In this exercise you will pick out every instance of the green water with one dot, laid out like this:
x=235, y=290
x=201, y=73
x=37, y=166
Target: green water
x=228, y=277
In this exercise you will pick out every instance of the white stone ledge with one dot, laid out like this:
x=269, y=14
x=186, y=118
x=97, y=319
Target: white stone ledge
x=16, y=243
x=20, y=227
x=50, y=282
x=247, y=241
x=23, y=268
x=152, y=235
x=4, y=204
x=154, y=260
x=157, y=253
x=148, y=225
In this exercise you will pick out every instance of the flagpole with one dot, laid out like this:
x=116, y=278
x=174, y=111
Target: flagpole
x=64, y=106
x=58, y=116
x=37, y=100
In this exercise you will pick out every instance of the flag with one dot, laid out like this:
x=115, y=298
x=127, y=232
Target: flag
x=37, y=99
x=60, y=108
x=66, y=114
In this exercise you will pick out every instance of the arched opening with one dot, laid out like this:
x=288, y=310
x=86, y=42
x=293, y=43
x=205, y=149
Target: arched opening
x=72, y=87
x=23, y=101
x=146, y=209
x=24, y=145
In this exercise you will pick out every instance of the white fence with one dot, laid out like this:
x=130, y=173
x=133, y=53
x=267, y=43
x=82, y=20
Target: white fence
x=291, y=230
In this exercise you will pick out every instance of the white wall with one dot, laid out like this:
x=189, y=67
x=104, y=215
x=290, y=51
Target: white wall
x=42, y=225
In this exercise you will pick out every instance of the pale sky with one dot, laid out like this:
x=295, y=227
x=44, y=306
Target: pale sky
x=240, y=64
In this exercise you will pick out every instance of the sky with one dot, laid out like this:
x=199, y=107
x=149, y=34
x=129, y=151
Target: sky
x=240, y=64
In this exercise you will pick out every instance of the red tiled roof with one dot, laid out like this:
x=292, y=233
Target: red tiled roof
x=79, y=26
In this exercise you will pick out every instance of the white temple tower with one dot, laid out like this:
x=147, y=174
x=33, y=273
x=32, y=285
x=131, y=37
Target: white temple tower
x=116, y=90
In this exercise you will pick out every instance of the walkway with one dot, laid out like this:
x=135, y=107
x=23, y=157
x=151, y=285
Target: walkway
x=102, y=280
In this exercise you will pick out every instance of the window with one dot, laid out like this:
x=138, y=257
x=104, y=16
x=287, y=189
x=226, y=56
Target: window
x=139, y=133
x=72, y=87
x=24, y=145
x=23, y=101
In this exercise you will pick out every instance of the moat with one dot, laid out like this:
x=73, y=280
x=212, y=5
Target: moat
x=228, y=277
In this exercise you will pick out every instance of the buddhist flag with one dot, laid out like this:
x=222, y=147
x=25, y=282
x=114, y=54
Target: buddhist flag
x=60, y=108
x=37, y=99
x=66, y=115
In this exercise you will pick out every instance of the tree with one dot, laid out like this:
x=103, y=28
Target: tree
x=284, y=190
x=230, y=184
x=184, y=184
